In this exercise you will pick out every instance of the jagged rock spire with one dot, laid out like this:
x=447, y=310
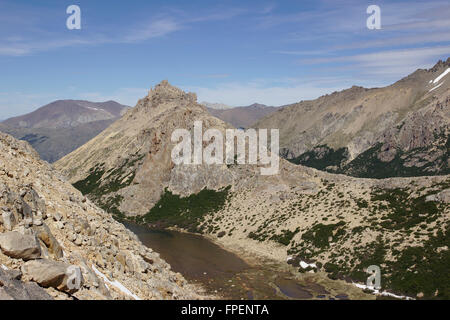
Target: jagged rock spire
x=164, y=91
x=440, y=64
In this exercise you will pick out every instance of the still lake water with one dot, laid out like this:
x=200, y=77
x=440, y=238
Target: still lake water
x=222, y=272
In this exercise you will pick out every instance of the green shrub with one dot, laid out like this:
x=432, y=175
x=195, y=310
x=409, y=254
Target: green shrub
x=186, y=212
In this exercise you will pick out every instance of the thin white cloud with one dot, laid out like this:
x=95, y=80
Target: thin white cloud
x=159, y=26
x=239, y=94
x=303, y=52
x=154, y=29
x=218, y=15
x=215, y=76
x=17, y=103
x=268, y=8
x=396, y=63
x=415, y=39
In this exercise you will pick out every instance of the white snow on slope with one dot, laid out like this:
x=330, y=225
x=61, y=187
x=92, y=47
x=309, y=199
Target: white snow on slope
x=440, y=84
x=305, y=265
x=442, y=75
x=384, y=293
x=91, y=108
x=116, y=284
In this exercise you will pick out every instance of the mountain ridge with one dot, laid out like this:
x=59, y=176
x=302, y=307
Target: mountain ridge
x=243, y=117
x=342, y=126
x=67, y=113
x=60, y=127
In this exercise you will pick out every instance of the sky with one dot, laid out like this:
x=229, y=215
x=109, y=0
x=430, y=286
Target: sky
x=231, y=52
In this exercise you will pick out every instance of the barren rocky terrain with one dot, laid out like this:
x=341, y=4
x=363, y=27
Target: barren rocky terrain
x=56, y=244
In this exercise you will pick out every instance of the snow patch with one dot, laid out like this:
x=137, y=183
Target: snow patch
x=384, y=293
x=436, y=86
x=442, y=75
x=305, y=265
x=116, y=284
x=4, y=267
x=95, y=109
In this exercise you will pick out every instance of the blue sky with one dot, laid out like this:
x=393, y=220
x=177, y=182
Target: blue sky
x=232, y=52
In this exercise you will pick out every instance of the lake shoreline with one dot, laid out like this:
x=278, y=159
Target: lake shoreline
x=289, y=275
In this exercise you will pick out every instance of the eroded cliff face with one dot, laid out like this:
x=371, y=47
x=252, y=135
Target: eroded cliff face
x=128, y=166
x=56, y=244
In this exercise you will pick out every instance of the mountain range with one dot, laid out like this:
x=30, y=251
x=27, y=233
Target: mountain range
x=242, y=117
x=315, y=220
x=390, y=208
x=67, y=113
x=60, y=127
x=398, y=130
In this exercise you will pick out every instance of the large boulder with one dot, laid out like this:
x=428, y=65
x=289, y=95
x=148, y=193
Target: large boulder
x=45, y=235
x=9, y=221
x=55, y=274
x=11, y=288
x=20, y=246
x=443, y=196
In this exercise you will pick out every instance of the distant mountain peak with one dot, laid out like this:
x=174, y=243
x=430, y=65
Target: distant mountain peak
x=242, y=117
x=215, y=105
x=67, y=114
x=440, y=64
x=258, y=105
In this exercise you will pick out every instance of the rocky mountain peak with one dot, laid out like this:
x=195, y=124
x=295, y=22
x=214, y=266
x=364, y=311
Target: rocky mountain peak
x=441, y=64
x=165, y=92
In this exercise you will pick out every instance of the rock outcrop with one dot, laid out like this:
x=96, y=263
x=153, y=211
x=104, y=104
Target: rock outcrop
x=53, y=274
x=20, y=246
x=12, y=288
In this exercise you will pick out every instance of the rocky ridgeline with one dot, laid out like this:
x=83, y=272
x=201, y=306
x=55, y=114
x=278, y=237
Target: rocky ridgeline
x=56, y=244
x=164, y=92
x=401, y=130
